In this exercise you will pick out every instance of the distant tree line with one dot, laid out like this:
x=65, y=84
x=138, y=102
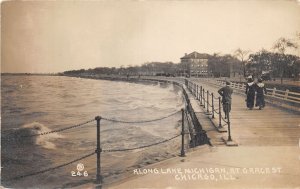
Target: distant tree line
x=148, y=68
x=259, y=63
x=218, y=66
x=276, y=63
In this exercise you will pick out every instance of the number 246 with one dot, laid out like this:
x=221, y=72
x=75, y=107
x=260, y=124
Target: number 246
x=74, y=174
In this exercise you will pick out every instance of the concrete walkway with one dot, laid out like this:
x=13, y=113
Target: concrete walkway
x=222, y=167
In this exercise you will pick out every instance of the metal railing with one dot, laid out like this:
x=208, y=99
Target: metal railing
x=284, y=98
x=197, y=134
x=210, y=101
x=99, y=150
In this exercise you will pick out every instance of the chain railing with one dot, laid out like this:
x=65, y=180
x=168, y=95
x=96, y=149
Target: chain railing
x=141, y=147
x=197, y=134
x=98, y=151
x=141, y=121
x=206, y=99
x=209, y=101
x=18, y=137
x=200, y=136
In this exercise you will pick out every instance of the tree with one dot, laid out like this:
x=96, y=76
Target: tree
x=277, y=64
x=241, y=55
x=281, y=45
x=260, y=62
x=219, y=65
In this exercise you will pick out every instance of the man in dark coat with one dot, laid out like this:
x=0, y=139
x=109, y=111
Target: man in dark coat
x=250, y=92
x=260, y=97
x=226, y=93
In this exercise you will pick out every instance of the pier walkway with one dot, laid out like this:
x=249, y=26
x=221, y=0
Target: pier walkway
x=267, y=156
x=272, y=126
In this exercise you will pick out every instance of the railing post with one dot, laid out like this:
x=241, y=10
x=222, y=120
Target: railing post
x=203, y=95
x=182, y=154
x=207, y=101
x=98, y=152
x=212, y=105
x=195, y=89
x=274, y=91
x=197, y=97
x=220, y=115
x=286, y=94
x=228, y=122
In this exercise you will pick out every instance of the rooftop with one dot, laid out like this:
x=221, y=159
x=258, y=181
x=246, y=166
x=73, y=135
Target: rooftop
x=196, y=55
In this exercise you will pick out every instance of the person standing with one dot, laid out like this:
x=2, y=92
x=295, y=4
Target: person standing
x=226, y=93
x=250, y=92
x=260, y=91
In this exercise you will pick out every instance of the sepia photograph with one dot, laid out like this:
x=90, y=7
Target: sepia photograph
x=150, y=94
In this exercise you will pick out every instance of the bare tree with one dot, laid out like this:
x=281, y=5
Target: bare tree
x=241, y=55
x=281, y=45
x=297, y=39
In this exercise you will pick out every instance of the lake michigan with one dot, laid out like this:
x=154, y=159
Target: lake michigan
x=38, y=104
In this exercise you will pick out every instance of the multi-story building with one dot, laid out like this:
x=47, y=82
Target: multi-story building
x=195, y=64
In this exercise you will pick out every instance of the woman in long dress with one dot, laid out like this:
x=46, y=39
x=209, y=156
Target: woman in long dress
x=260, y=91
x=250, y=92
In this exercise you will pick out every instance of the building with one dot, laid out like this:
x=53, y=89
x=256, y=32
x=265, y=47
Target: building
x=194, y=64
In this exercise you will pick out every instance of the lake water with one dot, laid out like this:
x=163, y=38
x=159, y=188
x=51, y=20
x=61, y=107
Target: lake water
x=37, y=104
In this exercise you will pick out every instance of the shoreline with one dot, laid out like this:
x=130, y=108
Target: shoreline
x=161, y=159
x=118, y=173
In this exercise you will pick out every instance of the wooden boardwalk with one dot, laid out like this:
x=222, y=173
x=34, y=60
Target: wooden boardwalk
x=272, y=126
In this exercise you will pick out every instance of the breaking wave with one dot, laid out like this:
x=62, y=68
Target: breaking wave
x=29, y=134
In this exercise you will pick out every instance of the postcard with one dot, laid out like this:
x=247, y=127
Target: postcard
x=150, y=94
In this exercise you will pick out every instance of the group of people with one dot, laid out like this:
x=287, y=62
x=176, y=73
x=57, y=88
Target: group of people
x=258, y=88
x=252, y=88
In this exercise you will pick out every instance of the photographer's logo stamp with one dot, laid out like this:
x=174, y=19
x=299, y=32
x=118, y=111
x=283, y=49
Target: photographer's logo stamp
x=80, y=171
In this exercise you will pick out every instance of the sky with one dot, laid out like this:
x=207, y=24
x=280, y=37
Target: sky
x=55, y=36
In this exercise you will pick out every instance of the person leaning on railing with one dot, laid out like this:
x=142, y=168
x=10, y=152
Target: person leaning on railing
x=226, y=93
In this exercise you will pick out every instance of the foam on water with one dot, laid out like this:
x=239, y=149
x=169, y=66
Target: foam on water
x=44, y=104
x=44, y=141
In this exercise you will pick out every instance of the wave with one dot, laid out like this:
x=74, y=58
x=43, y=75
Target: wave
x=28, y=135
x=45, y=140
